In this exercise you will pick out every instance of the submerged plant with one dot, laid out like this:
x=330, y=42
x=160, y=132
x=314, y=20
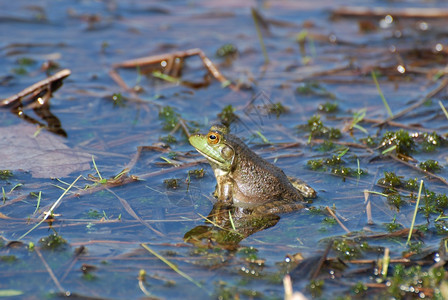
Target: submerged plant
x=336, y=165
x=390, y=180
x=413, y=281
x=171, y=183
x=399, y=140
x=317, y=129
x=314, y=88
x=53, y=242
x=276, y=109
x=169, y=116
x=226, y=50
x=430, y=165
x=5, y=174
x=227, y=115
x=328, y=107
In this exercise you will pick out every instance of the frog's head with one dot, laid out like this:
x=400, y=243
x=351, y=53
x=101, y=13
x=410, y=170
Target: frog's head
x=215, y=147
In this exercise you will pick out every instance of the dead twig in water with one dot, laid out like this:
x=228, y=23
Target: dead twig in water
x=37, y=88
x=443, y=84
x=130, y=211
x=169, y=62
x=409, y=12
x=415, y=167
x=337, y=219
x=322, y=260
x=50, y=272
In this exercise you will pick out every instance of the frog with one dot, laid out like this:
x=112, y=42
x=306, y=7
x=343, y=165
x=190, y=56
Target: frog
x=246, y=180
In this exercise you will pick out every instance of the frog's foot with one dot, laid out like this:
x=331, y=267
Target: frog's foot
x=303, y=188
x=277, y=207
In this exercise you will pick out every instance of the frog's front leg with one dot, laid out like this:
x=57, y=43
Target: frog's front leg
x=303, y=188
x=224, y=189
x=277, y=207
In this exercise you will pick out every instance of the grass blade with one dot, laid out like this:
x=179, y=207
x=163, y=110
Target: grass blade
x=50, y=211
x=443, y=109
x=260, y=36
x=171, y=265
x=389, y=111
x=96, y=169
x=415, y=212
x=38, y=202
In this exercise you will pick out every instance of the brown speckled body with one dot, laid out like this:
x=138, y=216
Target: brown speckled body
x=246, y=180
x=256, y=181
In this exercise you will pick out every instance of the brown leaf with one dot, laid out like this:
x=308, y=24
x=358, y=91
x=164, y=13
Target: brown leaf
x=45, y=155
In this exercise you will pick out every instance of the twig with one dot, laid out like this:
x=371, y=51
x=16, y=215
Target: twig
x=50, y=271
x=322, y=260
x=130, y=211
x=368, y=208
x=73, y=262
x=441, y=179
x=431, y=94
x=170, y=59
x=337, y=219
x=36, y=87
x=410, y=12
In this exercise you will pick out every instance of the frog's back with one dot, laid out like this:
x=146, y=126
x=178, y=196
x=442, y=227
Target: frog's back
x=258, y=181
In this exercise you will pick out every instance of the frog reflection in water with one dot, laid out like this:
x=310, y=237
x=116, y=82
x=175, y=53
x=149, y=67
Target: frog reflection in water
x=244, y=179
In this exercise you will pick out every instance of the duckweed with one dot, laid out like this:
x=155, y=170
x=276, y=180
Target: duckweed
x=346, y=249
x=8, y=258
x=328, y=107
x=390, y=180
x=197, y=173
x=431, y=141
x=393, y=226
x=359, y=288
x=171, y=183
x=53, y=242
x=169, y=117
x=413, y=281
x=395, y=200
x=336, y=165
x=314, y=88
x=226, y=50
x=317, y=129
x=430, y=165
x=316, y=287
x=441, y=226
x=5, y=174
x=169, y=139
x=118, y=100
x=227, y=116
x=276, y=109
x=401, y=139
x=369, y=141
x=412, y=184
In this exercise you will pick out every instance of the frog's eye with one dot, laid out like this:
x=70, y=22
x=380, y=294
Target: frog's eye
x=213, y=138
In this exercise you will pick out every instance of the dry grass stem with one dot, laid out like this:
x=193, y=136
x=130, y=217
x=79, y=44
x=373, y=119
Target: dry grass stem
x=337, y=219
x=130, y=211
x=50, y=271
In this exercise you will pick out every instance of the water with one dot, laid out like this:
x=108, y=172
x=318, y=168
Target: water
x=88, y=37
